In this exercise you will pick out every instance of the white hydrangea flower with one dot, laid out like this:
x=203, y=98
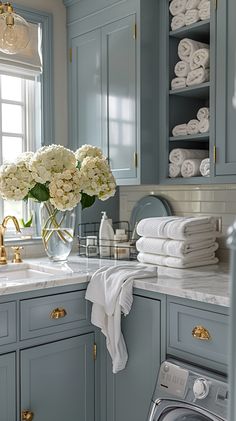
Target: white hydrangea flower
x=88, y=151
x=65, y=189
x=98, y=179
x=15, y=180
x=50, y=160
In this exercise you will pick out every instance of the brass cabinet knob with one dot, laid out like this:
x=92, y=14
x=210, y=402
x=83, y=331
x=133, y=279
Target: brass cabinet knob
x=58, y=313
x=27, y=415
x=201, y=333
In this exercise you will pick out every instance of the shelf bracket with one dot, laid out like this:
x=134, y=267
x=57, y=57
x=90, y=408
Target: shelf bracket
x=135, y=31
x=214, y=154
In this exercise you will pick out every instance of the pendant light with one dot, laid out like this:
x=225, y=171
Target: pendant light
x=14, y=30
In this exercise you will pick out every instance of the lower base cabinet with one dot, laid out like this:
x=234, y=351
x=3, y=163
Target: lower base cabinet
x=7, y=387
x=129, y=392
x=57, y=381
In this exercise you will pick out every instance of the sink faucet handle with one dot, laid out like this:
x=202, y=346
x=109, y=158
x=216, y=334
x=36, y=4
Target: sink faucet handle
x=17, y=254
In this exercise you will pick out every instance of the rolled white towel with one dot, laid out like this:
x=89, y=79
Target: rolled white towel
x=200, y=58
x=191, y=168
x=177, y=6
x=174, y=170
x=177, y=22
x=180, y=130
x=198, y=76
x=178, y=83
x=201, y=4
x=193, y=127
x=204, y=125
x=191, y=17
x=192, y=4
x=176, y=262
x=205, y=11
x=178, y=155
x=205, y=168
x=187, y=47
x=182, y=68
x=203, y=112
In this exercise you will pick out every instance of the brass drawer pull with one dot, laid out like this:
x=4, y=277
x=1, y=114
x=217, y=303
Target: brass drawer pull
x=201, y=333
x=27, y=415
x=58, y=313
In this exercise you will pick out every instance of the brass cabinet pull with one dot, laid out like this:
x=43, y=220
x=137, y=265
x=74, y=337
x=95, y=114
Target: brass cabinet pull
x=58, y=313
x=201, y=333
x=27, y=415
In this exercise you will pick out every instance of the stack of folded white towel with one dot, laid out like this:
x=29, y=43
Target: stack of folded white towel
x=178, y=242
x=195, y=126
x=188, y=12
x=193, y=67
x=187, y=162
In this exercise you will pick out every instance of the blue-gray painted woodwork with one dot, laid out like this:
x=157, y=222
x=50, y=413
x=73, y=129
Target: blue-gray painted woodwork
x=58, y=380
x=36, y=317
x=129, y=392
x=119, y=95
x=181, y=322
x=7, y=323
x=232, y=326
x=7, y=388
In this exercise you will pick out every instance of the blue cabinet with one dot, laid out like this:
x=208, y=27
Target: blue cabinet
x=57, y=380
x=129, y=392
x=7, y=388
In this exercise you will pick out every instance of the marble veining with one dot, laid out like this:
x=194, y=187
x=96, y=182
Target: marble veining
x=206, y=284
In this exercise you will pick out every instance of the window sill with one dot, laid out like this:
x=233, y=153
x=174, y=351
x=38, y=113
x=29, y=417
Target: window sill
x=22, y=241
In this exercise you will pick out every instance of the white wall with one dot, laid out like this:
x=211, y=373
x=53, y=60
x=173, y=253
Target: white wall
x=58, y=10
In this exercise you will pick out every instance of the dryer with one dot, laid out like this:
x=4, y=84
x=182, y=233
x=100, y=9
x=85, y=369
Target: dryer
x=184, y=393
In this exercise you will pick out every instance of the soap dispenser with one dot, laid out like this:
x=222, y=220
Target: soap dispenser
x=106, y=237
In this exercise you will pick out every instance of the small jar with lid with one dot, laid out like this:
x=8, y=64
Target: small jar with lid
x=91, y=246
x=121, y=245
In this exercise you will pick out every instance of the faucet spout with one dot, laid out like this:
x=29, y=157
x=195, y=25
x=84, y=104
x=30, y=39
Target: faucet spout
x=3, y=226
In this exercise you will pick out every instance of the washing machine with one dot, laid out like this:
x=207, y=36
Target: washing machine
x=184, y=393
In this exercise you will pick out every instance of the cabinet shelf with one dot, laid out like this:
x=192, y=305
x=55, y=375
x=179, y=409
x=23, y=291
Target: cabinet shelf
x=199, y=30
x=200, y=91
x=203, y=137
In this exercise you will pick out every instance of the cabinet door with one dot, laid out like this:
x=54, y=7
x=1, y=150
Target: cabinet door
x=119, y=95
x=7, y=388
x=58, y=380
x=225, y=75
x=129, y=392
x=85, y=89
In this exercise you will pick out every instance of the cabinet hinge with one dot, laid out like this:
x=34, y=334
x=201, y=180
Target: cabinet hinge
x=214, y=4
x=94, y=352
x=214, y=154
x=70, y=55
x=135, y=31
x=135, y=160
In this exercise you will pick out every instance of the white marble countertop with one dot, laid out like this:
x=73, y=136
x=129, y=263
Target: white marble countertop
x=206, y=284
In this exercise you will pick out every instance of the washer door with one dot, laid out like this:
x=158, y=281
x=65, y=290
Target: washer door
x=184, y=414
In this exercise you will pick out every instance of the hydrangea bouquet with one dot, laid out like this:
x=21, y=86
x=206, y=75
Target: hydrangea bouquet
x=61, y=179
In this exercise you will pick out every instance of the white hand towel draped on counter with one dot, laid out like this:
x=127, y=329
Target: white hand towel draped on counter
x=204, y=125
x=177, y=22
x=178, y=155
x=177, y=262
x=177, y=6
x=200, y=58
x=177, y=228
x=193, y=127
x=187, y=47
x=110, y=291
x=174, y=170
x=191, y=168
x=180, y=130
x=182, y=68
x=177, y=248
x=178, y=83
x=203, y=112
x=204, y=10
x=205, y=167
x=197, y=76
x=191, y=17
x=192, y=4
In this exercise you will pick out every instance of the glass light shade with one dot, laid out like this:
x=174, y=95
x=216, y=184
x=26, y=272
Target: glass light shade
x=14, y=33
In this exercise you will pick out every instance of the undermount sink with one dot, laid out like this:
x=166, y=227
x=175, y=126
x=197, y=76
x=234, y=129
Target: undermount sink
x=26, y=272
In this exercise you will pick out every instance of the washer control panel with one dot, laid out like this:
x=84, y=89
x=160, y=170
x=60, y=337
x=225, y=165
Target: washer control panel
x=173, y=379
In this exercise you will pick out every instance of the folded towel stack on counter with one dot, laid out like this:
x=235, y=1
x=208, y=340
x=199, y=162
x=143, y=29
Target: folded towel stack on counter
x=194, y=126
x=178, y=242
x=193, y=67
x=188, y=12
x=189, y=163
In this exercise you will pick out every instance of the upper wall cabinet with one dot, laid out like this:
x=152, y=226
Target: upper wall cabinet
x=112, y=84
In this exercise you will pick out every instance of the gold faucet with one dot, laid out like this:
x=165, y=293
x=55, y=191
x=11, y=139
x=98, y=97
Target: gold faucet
x=3, y=226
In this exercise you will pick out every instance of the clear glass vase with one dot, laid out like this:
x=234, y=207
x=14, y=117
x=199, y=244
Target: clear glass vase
x=57, y=230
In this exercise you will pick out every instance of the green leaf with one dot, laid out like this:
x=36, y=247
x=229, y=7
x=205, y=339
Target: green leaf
x=86, y=200
x=39, y=192
x=78, y=165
